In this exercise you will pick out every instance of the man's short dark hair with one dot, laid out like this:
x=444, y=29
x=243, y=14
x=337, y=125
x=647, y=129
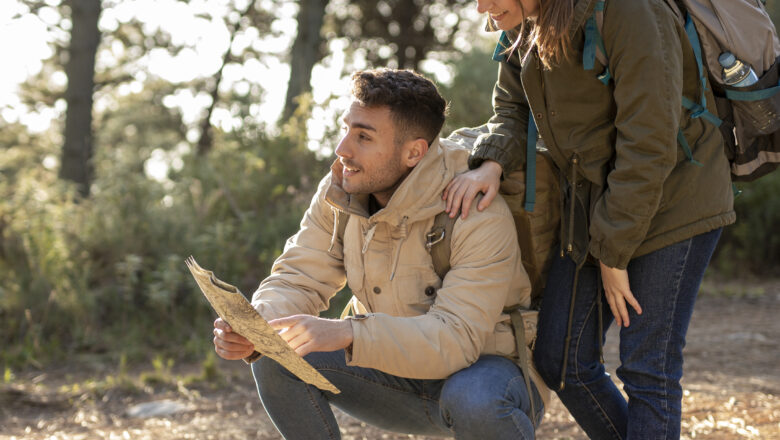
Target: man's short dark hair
x=417, y=108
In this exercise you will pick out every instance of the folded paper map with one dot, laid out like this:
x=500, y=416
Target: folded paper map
x=233, y=308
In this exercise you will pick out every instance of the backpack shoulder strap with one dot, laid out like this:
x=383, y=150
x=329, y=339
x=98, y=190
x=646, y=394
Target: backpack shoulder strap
x=521, y=343
x=438, y=242
x=598, y=14
x=594, y=44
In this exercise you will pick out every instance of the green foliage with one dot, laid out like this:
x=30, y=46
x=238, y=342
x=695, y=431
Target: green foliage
x=337, y=303
x=210, y=372
x=161, y=374
x=89, y=275
x=8, y=375
x=470, y=93
x=773, y=8
x=752, y=245
x=209, y=376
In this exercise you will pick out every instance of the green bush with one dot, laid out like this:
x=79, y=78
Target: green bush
x=752, y=245
x=106, y=274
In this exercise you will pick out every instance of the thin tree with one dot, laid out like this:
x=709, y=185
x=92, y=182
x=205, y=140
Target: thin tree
x=206, y=140
x=80, y=70
x=307, y=50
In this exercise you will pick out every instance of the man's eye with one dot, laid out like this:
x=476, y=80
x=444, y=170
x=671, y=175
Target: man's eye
x=363, y=137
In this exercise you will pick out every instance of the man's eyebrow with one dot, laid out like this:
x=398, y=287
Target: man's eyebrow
x=362, y=125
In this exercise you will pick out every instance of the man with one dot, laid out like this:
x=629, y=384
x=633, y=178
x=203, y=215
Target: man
x=425, y=355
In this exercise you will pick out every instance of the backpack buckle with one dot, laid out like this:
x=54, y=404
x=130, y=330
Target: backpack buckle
x=434, y=236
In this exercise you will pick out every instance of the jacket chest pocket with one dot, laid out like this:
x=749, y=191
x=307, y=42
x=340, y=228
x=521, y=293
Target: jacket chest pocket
x=415, y=288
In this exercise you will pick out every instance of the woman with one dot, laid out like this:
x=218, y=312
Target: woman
x=641, y=213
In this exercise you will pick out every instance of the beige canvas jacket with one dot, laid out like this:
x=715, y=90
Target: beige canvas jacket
x=415, y=324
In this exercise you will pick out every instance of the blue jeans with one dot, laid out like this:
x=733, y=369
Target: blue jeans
x=487, y=400
x=665, y=284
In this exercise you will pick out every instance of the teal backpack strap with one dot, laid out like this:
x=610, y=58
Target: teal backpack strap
x=530, y=164
x=499, y=54
x=698, y=110
x=754, y=95
x=594, y=43
x=686, y=148
x=438, y=242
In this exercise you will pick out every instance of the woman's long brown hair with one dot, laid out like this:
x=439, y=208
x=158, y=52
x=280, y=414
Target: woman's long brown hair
x=550, y=31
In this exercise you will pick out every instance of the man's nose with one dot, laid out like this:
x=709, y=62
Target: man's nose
x=342, y=149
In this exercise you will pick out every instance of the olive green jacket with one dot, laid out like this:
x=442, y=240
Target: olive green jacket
x=616, y=144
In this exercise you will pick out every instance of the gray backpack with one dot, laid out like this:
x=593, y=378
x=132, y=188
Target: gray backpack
x=748, y=117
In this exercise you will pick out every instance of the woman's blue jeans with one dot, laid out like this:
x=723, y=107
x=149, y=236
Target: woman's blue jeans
x=665, y=284
x=487, y=400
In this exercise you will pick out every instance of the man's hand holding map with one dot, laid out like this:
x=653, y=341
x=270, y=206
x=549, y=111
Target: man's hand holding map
x=232, y=307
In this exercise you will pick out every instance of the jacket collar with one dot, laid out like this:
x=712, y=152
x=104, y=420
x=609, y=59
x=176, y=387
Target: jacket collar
x=418, y=196
x=582, y=10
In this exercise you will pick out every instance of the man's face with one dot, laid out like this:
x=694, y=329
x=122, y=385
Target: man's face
x=373, y=163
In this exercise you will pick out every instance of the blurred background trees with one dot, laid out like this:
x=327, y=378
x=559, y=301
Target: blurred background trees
x=139, y=166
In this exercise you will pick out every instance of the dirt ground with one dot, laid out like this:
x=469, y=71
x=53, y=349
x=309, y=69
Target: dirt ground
x=731, y=383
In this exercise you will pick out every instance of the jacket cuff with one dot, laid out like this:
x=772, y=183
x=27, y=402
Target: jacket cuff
x=488, y=150
x=252, y=358
x=354, y=356
x=609, y=257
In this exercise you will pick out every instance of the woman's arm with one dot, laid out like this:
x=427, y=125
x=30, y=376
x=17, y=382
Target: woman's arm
x=502, y=150
x=647, y=94
x=643, y=42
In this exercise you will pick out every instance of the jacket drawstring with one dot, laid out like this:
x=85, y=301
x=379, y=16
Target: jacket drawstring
x=335, y=234
x=572, y=201
x=569, y=249
x=398, y=244
x=368, y=237
x=568, y=326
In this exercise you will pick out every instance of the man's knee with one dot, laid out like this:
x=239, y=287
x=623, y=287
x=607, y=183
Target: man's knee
x=487, y=405
x=481, y=396
x=267, y=371
x=464, y=407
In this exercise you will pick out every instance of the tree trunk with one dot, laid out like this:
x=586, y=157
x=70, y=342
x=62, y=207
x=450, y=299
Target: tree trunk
x=306, y=52
x=80, y=70
x=206, y=140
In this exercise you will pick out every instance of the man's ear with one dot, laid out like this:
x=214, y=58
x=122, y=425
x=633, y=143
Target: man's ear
x=414, y=150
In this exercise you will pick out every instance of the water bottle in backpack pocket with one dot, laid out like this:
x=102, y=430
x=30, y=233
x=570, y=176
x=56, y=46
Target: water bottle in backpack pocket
x=741, y=52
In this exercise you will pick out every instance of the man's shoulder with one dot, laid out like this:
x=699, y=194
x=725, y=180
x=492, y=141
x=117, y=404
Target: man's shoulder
x=497, y=208
x=492, y=223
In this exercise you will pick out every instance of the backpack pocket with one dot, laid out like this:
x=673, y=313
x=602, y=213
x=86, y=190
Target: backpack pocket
x=751, y=127
x=760, y=116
